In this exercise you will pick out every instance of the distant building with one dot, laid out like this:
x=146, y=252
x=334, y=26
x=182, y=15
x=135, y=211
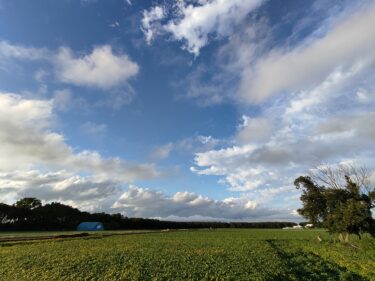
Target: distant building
x=297, y=226
x=90, y=226
x=309, y=225
x=294, y=227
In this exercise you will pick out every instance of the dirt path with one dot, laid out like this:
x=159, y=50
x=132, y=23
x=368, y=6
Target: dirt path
x=79, y=235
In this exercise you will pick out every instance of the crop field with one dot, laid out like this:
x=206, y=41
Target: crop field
x=223, y=254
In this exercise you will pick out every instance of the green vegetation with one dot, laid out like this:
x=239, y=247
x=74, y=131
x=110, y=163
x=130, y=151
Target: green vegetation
x=225, y=254
x=341, y=199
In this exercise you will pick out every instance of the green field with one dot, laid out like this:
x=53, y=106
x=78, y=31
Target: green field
x=227, y=254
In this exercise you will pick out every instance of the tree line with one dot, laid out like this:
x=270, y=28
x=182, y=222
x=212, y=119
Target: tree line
x=31, y=214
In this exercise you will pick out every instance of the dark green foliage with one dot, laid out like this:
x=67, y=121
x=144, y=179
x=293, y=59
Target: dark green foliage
x=313, y=199
x=28, y=203
x=344, y=210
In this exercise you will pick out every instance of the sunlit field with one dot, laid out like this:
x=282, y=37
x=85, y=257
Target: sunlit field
x=222, y=254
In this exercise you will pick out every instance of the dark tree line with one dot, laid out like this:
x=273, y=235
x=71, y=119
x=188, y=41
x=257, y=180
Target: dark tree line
x=30, y=214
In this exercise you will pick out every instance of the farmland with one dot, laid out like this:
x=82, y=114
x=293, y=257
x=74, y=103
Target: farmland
x=223, y=254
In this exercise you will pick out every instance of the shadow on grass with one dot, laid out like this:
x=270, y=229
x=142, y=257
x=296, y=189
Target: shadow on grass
x=301, y=265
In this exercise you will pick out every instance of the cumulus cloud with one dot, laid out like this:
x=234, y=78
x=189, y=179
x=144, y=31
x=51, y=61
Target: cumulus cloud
x=193, y=22
x=325, y=124
x=90, y=194
x=324, y=116
x=141, y=202
x=62, y=186
x=27, y=140
x=347, y=42
x=235, y=166
x=102, y=68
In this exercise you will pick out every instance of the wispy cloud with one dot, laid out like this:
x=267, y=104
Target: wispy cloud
x=93, y=128
x=186, y=145
x=151, y=22
x=349, y=41
x=12, y=51
x=193, y=22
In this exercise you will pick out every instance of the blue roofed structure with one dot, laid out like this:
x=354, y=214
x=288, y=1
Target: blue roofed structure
x=90, y=226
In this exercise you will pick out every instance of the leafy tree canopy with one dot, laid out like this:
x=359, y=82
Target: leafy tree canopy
x=28, y=203
x=339, y=198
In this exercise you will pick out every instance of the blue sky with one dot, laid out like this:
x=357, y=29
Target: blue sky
x=188, y=110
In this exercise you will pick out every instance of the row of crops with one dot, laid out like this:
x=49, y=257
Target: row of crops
x=237, y=254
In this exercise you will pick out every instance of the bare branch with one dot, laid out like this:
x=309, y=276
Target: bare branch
x=334, y=176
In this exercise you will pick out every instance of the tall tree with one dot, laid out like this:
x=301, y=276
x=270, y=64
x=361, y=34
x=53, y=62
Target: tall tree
x=28, y=203
x=341, y=198
x=314, y=201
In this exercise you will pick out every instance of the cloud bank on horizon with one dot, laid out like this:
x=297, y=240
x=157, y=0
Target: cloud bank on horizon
x=212, y=106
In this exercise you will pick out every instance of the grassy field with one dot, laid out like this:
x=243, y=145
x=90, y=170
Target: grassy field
x=227, y=254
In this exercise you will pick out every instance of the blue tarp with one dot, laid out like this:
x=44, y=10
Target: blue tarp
x=90, y=226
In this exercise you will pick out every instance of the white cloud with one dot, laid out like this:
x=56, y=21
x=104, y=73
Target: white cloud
x=365, y=96
x=186, y=145
x=163, y=151
x=93, y=128
x=90, y=194
x=194, y=22
x=360, y=125
x=40, y=75
x=82, y=192
x=62, y=99
x=325, y=124
x=27, y=143
x=11, y=51
x=141, y=202
x=207, y=90
x=27, y=140
x=325, y=115
x=234, y=164
x=117, y=98
x=348, y=42
x=150, y=22
x=114, y=24
x=102, y=68
x=253, y=130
